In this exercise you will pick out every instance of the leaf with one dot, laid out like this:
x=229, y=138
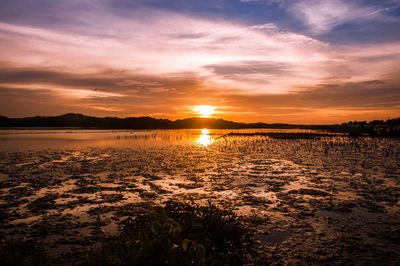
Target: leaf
x=202, y=250
x=154, y=227
x=167, y=227
x=185, y=244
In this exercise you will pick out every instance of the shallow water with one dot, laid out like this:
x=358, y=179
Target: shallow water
x=321, y=201
x=14, y=139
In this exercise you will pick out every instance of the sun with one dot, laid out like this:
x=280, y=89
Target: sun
x=204, y=110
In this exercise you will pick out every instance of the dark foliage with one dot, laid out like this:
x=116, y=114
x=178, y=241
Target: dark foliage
x=22, y=252
x=178, y=234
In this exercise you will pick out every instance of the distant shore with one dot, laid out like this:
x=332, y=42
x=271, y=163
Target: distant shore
x=376, y=128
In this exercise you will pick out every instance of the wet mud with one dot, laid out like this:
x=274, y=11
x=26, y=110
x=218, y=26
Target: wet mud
x=327, y=200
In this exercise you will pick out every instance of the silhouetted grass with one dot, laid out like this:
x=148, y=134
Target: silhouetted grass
x=282, y=135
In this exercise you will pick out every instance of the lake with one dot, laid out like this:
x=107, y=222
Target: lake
x=329, y=198
x=37, y=139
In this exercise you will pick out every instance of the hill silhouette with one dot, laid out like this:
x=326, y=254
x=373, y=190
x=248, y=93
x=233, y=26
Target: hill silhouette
x=83, y=121
x=389, y=127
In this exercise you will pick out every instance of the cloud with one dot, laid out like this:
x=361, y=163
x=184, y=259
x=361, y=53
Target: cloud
x=327, y=102
x=104, y=83
x=250, y=67
x=168, y=44
x=147, y=61
x=324, y=103
x=164, y=44
x=323, y=15
x=254, y=73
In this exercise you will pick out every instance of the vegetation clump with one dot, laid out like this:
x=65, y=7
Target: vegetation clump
x=177, y=234
x=22, y=252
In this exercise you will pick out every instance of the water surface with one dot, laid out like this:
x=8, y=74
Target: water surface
x=326, y=200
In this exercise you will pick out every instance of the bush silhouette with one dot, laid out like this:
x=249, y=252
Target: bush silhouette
x=177, y=234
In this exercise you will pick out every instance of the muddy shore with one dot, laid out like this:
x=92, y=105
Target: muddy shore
x=331, y=200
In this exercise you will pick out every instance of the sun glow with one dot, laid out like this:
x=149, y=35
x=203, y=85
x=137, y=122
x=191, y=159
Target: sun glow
x=205, y=131
x=205, y=138
x=204, y=110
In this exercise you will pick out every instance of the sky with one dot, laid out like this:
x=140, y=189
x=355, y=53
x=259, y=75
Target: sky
x=273, y=61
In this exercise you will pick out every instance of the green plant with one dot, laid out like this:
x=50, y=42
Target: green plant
x=177, y=234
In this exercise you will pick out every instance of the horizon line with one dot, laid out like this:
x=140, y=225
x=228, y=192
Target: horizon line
x=196, y=117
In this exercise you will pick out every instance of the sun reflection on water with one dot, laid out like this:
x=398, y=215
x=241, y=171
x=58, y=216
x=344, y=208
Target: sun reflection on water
x=205, y=138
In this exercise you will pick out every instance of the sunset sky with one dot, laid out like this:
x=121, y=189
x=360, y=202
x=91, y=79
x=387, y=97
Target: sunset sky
x=289, y=61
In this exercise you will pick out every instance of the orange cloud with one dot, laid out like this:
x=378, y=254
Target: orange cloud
x=166, y=61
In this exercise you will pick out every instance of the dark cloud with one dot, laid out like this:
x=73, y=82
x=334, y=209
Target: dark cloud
x=250, y=67
x=188, y=36
x=359, y=100
x=24, y=102
x=357, y=94
x=349, y=95
x=107, y=80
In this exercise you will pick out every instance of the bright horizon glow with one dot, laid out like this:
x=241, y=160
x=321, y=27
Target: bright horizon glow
x=204, y=110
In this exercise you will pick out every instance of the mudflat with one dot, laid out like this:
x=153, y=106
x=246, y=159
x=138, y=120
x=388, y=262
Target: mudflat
x=320, y=200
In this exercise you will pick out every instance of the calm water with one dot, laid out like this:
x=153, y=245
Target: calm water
x=37, y=139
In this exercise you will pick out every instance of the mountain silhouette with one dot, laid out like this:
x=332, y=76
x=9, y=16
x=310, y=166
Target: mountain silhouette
x=83, y=121
x=389, y=127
